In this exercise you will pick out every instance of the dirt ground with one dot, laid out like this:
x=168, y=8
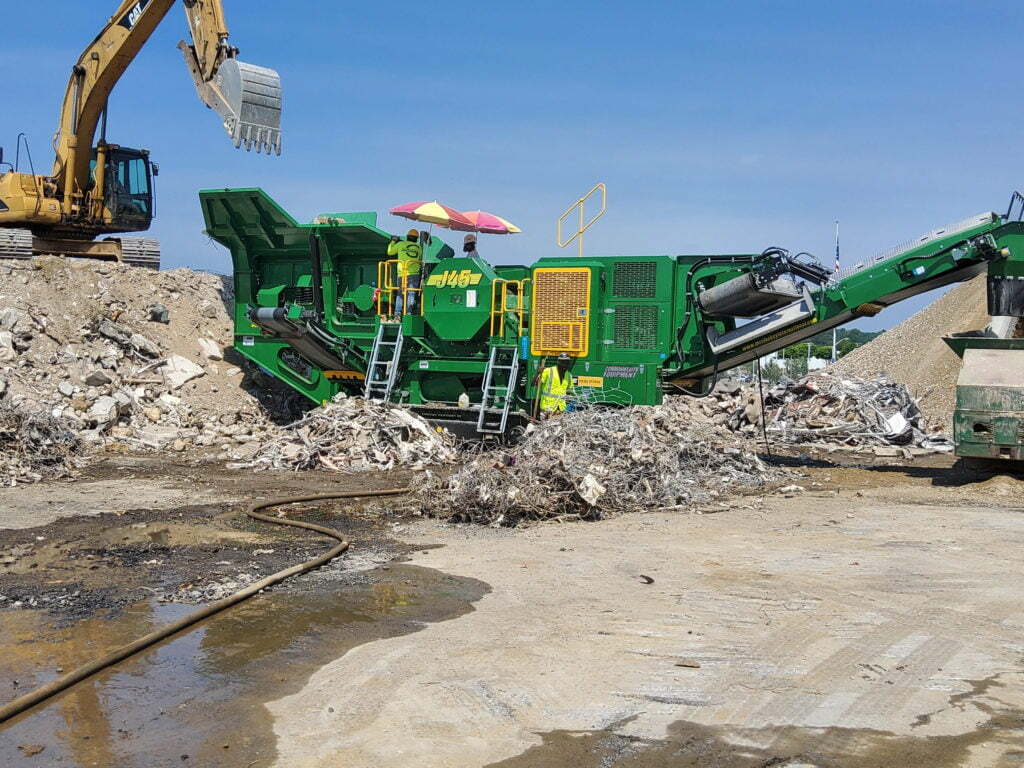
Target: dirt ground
x=871, y=619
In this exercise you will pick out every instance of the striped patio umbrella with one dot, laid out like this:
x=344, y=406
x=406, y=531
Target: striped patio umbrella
x=488, y=224
x=433, y=213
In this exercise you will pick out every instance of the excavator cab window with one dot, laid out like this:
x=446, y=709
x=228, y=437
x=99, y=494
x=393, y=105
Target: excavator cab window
x=129, y=193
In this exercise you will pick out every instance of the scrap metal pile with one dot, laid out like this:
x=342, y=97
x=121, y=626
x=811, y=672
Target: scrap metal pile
x=834, y=412
x=350, y=435
x=34, y=446
x=595, y=462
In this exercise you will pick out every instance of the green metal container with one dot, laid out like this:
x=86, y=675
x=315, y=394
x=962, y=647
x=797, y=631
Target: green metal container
x=989, y=419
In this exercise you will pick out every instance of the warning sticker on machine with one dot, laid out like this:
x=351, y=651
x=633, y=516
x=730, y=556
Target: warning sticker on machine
x=623, y=371
x=589, y=381
x=248, y=341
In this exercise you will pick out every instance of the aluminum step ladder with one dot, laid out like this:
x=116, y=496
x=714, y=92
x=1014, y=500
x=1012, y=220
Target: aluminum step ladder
x=499, y=389
x=382, y=372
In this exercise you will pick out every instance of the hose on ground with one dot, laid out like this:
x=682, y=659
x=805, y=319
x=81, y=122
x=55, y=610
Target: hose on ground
x=41, y=694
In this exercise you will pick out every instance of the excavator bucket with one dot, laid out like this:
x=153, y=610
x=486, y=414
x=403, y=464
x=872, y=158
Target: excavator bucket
x=250, y=104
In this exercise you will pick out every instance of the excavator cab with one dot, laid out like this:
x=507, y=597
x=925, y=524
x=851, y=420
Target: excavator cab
x=128, y=188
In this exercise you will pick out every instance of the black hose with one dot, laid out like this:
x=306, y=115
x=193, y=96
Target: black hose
x=43, y=693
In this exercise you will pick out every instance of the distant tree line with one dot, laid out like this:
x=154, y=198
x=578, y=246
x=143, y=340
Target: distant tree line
x=794, y=358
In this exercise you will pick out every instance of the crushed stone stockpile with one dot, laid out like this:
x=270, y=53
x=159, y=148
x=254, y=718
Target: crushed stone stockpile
x=914, y=354
x=130, y=357
x=351, y=435
x=592, y=463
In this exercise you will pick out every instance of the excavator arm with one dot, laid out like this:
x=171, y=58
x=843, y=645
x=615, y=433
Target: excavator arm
x=248, y=98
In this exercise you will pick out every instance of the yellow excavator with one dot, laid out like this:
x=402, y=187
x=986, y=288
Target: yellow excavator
x=103, y=188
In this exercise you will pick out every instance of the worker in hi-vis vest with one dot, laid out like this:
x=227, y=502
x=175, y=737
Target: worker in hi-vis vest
x=555, y=382
x=410, y=262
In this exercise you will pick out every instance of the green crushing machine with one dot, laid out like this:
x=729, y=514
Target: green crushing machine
x=313, y=306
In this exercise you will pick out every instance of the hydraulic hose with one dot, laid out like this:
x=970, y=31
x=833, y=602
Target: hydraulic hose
x=41, y=694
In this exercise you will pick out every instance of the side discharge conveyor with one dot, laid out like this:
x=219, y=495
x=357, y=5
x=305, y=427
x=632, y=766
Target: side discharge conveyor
x=314, y=304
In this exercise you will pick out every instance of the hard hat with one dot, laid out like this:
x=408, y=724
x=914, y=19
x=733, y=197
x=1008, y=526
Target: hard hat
x=413, y=233
x=564, y=357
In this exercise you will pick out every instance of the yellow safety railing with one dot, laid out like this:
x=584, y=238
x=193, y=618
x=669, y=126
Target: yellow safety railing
x=387, y=290
x=583, y=224
x=499, y=305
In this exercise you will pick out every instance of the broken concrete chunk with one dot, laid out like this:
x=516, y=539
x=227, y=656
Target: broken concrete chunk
x=114, y=332
x=158, y=313
x=97, y=379
x=104, y=411
x=10, y=318
x=211, y=350
x=157, y=437
x=144, y=346
x=178, y=371
x=7, y=352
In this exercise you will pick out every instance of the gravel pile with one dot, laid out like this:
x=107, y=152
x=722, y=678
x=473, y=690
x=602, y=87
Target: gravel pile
x=914, y=354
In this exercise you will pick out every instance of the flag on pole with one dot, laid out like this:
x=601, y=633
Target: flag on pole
x=837, y=245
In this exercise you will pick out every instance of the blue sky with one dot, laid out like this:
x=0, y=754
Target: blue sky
x=719, y=126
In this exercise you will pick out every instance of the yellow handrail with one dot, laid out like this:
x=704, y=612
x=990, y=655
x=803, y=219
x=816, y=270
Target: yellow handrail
x=386, y=289
x=499, y=305
x=583, y=225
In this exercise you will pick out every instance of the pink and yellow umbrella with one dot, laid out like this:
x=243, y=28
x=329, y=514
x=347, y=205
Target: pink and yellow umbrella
x=488, y=224
x=433, y=213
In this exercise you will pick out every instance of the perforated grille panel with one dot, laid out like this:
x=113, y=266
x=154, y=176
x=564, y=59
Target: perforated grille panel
x=635, y=280
x=561, y=310
x=636, y=327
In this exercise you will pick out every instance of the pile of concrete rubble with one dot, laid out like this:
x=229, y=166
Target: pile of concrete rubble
x=829, y=413
x=131, y=358
x=34, y=446
x=595, y=462
x=352, y=435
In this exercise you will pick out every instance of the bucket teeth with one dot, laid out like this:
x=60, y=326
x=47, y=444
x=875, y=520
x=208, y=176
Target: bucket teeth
x=253, y=98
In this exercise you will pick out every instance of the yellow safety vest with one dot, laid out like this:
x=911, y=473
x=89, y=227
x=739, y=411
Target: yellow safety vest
x=409, y=255
x=553, y=389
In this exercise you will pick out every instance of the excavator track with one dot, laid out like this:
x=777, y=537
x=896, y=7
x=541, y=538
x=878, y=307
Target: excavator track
x=15, y=244
x=140, y=252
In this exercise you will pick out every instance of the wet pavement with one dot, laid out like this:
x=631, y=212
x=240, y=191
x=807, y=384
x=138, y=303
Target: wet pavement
x=692, y=745
x=198, y=699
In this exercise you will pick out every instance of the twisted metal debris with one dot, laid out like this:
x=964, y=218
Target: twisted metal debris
x=350, y=435
x=34, y=446
x=843, y=412
x=592, y=463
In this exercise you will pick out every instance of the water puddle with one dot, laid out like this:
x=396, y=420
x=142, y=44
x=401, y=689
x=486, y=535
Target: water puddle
x=198, y=699
x=690, y=745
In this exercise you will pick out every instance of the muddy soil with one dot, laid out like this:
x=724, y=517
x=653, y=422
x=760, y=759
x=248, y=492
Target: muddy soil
x=80, y=566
